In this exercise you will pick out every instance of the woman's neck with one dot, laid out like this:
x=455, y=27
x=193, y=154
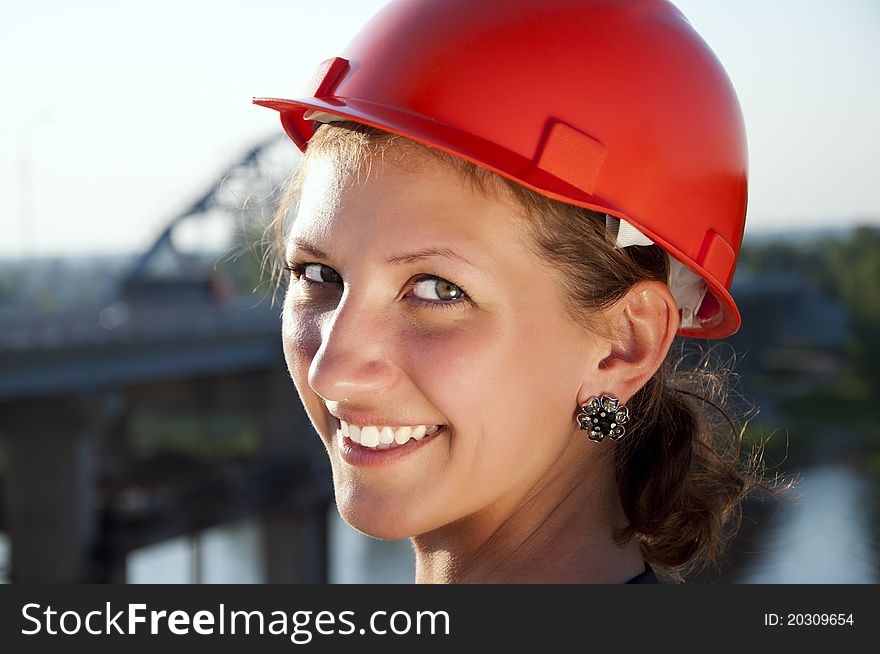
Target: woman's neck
x=561, y=532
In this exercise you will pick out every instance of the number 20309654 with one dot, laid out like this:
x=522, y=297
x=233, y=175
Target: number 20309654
x=808, y=619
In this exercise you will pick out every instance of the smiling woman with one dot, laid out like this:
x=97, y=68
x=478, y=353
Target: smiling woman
x=482, y=341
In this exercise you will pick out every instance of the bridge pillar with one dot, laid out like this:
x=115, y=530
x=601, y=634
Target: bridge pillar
x=295, y=546
x=51, y=461
x=294, y=537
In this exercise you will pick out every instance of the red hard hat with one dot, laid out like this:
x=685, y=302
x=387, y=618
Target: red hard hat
x=619, y=107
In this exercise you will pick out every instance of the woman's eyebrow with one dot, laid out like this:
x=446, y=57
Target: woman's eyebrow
x=308, y=248
x=397, y=259
x=426, y=253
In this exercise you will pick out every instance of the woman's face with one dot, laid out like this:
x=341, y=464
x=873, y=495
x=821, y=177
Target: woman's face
x=416, y=301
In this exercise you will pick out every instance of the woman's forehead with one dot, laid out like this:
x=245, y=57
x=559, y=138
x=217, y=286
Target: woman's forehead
x=409, y=190
x=402, y=176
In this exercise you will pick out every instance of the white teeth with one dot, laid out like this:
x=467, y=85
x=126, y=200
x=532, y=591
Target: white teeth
x=402, y=435
x=370, y=436
x=385, y=437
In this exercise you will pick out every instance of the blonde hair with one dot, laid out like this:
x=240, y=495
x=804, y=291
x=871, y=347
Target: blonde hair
x=680, y=470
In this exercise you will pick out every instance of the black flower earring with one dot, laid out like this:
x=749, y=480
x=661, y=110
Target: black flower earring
x=603, y=416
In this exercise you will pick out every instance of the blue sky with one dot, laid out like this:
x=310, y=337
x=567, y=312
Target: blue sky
x=118, y=113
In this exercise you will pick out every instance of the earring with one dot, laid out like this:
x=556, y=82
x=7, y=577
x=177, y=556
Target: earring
x=603, y=416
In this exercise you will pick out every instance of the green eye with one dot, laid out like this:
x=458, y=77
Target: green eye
x=318, y=272
x=436, y=289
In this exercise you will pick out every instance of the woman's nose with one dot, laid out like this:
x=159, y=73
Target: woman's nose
x=355, y=353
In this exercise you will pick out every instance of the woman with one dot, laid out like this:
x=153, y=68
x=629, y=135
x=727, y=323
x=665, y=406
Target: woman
x=503, y=218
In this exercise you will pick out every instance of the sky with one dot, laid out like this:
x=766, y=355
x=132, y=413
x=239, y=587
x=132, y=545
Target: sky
x=116, y=115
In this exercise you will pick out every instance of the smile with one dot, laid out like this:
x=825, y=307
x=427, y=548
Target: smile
x=384, y=437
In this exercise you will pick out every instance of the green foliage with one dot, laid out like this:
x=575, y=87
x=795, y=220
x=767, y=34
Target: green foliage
x=207, y=437
x=815, y=411
x=852, y=272
x=844, y=404
x=848, y=269
x=777, y=256
x=871, y=461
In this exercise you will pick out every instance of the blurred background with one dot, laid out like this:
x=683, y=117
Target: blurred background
x=148, y=429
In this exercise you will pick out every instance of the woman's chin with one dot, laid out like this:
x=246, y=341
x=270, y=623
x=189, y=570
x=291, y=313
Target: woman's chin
x=383, y=520
x=374, y=526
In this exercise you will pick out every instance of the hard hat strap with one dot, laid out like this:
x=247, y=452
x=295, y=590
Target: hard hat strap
x=686, y=286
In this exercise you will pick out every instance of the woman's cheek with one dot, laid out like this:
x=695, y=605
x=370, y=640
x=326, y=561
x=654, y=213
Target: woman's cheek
x=455, y=352
x=301, y=337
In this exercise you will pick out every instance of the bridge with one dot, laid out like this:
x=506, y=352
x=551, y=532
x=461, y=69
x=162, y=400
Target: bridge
x=165, y=408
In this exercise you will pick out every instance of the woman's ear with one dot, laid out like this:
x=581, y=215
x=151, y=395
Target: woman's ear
x=643, y=324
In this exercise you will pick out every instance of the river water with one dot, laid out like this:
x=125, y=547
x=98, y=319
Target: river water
x=826, y=533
